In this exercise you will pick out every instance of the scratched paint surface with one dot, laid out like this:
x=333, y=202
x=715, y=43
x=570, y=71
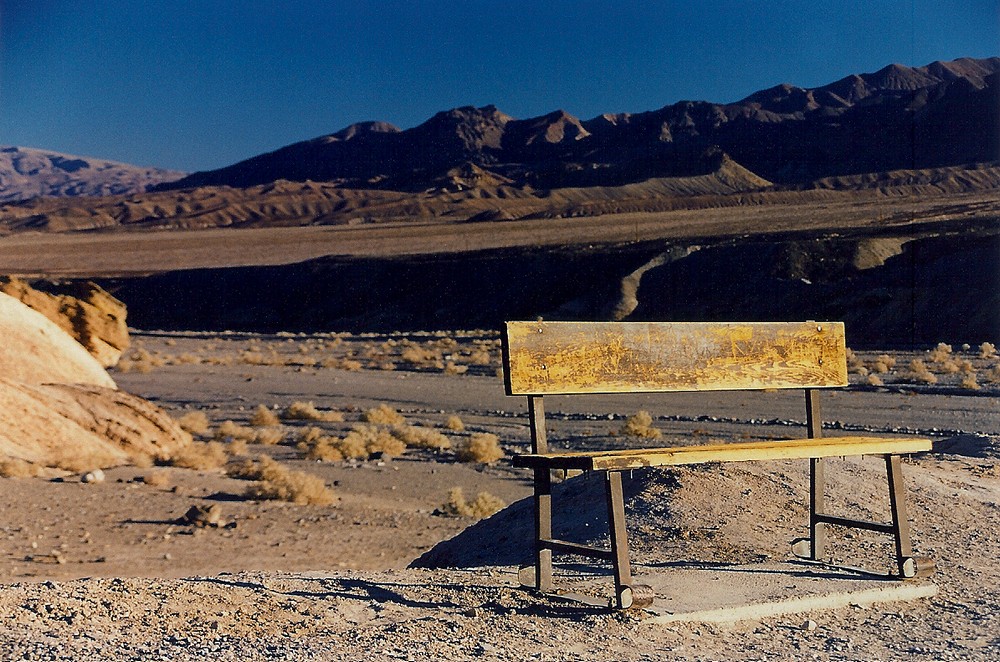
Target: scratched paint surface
x=613, y=357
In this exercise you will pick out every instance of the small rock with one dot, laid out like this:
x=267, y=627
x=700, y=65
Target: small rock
x=202, y=516
x=809, y=625
x=95, y=476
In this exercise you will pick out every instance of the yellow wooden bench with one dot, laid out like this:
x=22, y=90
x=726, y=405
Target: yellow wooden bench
x=571, y=358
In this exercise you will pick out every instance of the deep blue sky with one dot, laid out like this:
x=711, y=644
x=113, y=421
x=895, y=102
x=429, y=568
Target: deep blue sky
x=198, y=84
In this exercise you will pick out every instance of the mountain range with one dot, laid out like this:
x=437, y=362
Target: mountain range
x=941, y=114
x=28, y=173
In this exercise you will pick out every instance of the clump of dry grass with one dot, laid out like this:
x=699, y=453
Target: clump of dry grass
x=269, y=436
x=854, y=362
x=15, y=467
x=415, y=436
x=874, y=380
x=920, y=374
x=484, y=505
x=454, y=423
x=156, y=479
x=195, y=423
x=306, y=411
x=202, y=456
x=275, y=481
x=482, y=447
x=987, y=350
x=883, y=364
x=263, y=416
x=941, y=353
x=970, y=381
x=362, y=442
x=992, y=375
x=237, y=447
x=382, y=415
x=452, y=368
x=640, y=424
x=230, y=431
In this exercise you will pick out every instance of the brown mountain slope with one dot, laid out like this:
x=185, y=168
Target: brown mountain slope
x=465, y=193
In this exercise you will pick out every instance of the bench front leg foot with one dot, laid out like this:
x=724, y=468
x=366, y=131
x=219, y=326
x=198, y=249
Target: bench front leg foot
x=619, y=540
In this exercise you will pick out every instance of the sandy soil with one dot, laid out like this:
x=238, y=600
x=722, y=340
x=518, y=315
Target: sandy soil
x=109, y=569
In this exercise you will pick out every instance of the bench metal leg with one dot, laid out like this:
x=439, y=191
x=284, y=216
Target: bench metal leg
x=900, y=521
x=543, y=529
x=817, y=490
x=619, y=540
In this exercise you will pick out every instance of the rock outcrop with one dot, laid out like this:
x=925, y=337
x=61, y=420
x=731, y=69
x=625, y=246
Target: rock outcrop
x=59, y=408
x=82, y=309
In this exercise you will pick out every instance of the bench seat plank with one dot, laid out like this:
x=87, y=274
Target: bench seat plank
x=733, y=452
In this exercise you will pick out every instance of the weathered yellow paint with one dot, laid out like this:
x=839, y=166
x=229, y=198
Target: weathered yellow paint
x=544, y=358
x=733, y=452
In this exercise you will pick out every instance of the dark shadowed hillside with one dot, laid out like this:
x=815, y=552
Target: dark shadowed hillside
x=942, y=114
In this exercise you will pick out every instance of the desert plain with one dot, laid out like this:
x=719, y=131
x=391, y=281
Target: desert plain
x=113, y=568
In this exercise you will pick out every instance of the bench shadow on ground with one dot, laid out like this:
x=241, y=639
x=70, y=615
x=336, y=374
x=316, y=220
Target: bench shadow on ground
x=482, y=597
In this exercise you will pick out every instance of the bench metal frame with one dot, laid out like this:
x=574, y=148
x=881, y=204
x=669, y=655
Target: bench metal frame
x=539, y=575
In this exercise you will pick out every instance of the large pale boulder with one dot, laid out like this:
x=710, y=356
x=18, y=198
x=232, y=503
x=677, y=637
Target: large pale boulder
x=83, y=310
x=36, y=351
x=59, y=408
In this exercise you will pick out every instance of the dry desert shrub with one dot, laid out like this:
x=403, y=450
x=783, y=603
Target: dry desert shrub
x=941, y=353
x=883, y=364
x=992, y=375
x=262, y=416
x=142, y=461
x=230, y=431
x=949, y=366
x=382, y=415
x=186, y=359
x=482, y=447
x=874, y=380
x=452, y=368
x=965, y=367
x=275, y=481
x=415, y=436
x=202, y=456
x=920, y=374
x=15, y=467
x=195, y=423
x=237, y=447
x=306, y=411
x=360, y=443
x=480, y=357
x=454, y=423
x=269, y=436
x=640, y=424
x=987, y=350
x=854, y=362
x=156, y=479
x=970, y=382
x=484, y=505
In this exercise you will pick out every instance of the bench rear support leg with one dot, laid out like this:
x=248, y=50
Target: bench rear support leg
x=619, y=540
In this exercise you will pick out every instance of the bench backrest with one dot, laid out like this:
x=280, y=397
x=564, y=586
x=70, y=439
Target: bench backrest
x=553, y=358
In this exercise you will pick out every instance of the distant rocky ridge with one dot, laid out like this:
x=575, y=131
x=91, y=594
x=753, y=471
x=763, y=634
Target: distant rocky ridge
x=28, y=173
x=942, y=114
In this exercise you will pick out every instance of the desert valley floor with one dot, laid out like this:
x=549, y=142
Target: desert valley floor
x=274, y=580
